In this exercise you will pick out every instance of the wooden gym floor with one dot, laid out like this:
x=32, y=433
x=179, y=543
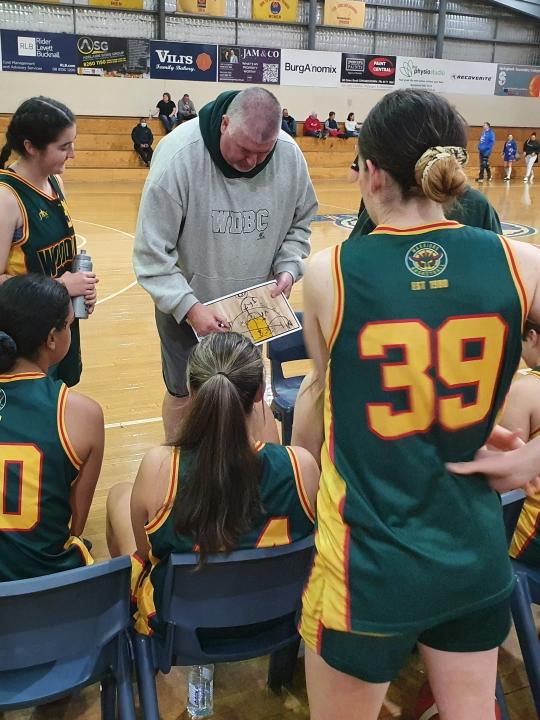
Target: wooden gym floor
x=122, y=371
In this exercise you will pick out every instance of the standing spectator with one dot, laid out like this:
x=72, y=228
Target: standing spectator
x=193, y=245
x=531, y=148
x=510, y=155
x=331, y=126
x=186, y=109
x=352, y=128
x=313, y=127
x=165, y=112
x=288, y=123
x=142, y=141
x=485, y=148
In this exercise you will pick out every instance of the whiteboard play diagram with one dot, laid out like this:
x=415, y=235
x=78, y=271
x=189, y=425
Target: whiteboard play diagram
x=253, y=312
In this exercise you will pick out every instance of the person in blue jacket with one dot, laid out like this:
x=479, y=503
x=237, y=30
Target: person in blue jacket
x=510, y=155
x=485, y=148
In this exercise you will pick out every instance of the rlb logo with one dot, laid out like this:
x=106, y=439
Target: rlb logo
x=26, y=46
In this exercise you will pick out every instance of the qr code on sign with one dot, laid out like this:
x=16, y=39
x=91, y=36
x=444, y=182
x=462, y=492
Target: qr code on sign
x=270, y=73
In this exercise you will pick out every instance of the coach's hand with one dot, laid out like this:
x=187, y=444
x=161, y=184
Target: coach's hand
x=204, y=320
x=285, y=281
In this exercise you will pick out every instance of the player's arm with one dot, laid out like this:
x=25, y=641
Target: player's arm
x=308, y=423
x=149, y=493
x=518, y=408
x=10, y=213
x=84, y=426
x=310, y=473
x=297, y=245
x=318, y=312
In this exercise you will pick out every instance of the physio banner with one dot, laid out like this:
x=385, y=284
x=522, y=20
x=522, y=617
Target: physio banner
x=183, y=61
x=446, y=76
x=249, y=64
x=28, y=51
x=311, y=68
x=345, y=13
x=522, y=80
x=276, y=10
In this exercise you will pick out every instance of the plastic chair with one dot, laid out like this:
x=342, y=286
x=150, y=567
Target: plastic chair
x=280, y=351
x=236, y=607
x=64, y=631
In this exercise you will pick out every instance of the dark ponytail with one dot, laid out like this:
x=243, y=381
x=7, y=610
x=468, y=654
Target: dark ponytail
x=39, y=120
x=219, y=497
x=30, y=307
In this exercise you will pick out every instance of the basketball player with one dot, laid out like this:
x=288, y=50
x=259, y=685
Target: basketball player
x=51, y=439
x=36, y=232
x=227, y=204
x=215, y=487
x=418, y=340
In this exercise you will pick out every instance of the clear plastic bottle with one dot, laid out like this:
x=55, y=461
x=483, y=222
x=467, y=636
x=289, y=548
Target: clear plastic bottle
x=200, y=691
x=81, y=263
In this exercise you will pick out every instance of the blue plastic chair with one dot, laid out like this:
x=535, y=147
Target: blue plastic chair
x=64, y=631
x=280, y=351
x=236, y=607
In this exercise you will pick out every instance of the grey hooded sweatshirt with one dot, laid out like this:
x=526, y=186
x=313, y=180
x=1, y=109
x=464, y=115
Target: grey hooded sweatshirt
x=201, y=235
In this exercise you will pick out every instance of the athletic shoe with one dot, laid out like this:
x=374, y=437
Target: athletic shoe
x=525, y=179
x=479, y=179
x=506, y=179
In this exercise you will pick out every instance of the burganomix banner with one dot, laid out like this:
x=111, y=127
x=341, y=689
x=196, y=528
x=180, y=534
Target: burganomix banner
x=310, y=68
x=249, y=64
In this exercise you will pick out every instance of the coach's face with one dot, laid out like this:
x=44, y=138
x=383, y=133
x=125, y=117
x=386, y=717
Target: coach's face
x=239, y=150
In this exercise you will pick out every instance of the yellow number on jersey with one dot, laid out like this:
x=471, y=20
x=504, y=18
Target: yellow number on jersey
x=29, y=460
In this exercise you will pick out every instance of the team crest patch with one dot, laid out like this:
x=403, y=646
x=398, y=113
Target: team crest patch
x=426, y=259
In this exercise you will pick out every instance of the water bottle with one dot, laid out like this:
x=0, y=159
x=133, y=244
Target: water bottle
x=81, y=263
x=200, y=691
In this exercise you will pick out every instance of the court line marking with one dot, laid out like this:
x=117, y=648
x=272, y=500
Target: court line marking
x=339, y=207
x=81, y=240
x=128, y=423
x=118, y=292
x=107, y=227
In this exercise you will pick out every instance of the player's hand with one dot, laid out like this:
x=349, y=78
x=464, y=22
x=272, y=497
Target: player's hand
x=79, y=283
x=205, y=320
x=90, y=299
x=285, y=281
x=505, y=470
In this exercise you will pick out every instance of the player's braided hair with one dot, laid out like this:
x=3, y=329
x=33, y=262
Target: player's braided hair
x=39, y=120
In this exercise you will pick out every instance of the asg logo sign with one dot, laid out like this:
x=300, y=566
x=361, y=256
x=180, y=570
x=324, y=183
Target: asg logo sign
x=26, y=46
x=88, y=46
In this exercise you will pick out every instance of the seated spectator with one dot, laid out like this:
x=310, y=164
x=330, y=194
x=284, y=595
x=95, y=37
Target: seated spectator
x=166, y=112
x=215, y=487
x=288, y=123
x=142, y=141
x=331, y=126
x=352, y=128
x=51, y=438
x=186, y=109
x=313, y=127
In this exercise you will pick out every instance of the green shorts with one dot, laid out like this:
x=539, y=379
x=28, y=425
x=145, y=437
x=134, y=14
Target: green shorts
x=379, y=658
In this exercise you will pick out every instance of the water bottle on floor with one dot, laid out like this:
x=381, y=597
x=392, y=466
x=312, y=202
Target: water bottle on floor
x=81, y=263
x=200, y=691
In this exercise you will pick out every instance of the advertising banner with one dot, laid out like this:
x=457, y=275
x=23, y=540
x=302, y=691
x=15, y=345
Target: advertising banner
x=27, y=51
x=523, y=80
x=447, y=76
x=113, y=56
x=345, y=13
x=183, y=61
x=310, y=68
x=276, y=10
x=129, y=4
x=249, y=64
x=201, y=7
x=376, y=71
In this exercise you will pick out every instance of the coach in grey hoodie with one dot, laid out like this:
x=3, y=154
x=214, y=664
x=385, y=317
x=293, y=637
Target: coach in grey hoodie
x=227, y=204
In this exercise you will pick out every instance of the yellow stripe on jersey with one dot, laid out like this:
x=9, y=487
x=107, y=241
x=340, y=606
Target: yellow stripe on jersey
x=62, y=430
x=514, y=271
x=164, y=512
x=29, y=184
x=419, y=230
x=276, y=532
x=143, y=593
x=527, y=527
x=21, y=376
x=339, y=295
x=74, y=541
x=16, y=260
x=300, y=489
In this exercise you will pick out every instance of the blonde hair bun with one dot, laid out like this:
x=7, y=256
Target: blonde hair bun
x=439, y=173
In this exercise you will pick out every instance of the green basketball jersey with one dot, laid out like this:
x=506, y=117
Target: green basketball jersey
x=37, y=467
x=47, y=246
x=425, y=343
x=287, y=516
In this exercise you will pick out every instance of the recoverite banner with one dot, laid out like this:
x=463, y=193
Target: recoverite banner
x=446, y=76
x=310, y=68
